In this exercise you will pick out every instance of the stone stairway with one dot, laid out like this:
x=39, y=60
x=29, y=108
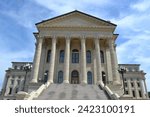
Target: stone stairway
x=73, y=92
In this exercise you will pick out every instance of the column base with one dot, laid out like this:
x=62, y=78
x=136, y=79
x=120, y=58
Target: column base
x=47, y=84
x=50, y=81
x=33, y=81
x=84, y=82
x=99, y=82
x=21, y=95
x=66, y=81
x=116, y=83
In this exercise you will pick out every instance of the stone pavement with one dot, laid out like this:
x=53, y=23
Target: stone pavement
x=73, y=92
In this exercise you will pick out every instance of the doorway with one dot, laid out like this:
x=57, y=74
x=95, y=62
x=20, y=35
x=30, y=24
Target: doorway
x=75, y=77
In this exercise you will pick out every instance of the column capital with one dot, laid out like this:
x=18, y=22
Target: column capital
x=40, y=39
x=111, y=42
x=83, y=40
x=68, y=38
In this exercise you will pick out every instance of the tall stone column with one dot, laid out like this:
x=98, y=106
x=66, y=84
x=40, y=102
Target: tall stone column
x=95, y=67
x=142, y=89
x=109, y=66
x=83, y=57
x=116, y=78
x=37, y=58
x=98, y=61
x=129, y=86
x=146, y=89
x=67, y=61
x=52, y=60
x=136, y=89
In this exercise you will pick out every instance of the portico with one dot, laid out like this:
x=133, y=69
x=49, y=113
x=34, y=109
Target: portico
x=74, y=61
x=75, y=48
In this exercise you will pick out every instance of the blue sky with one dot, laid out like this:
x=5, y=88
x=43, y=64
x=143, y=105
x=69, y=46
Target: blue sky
x=18, y=18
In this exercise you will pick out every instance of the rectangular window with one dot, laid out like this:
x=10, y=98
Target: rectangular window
x=140, y=94
x=126, y=92
x=75, y=58
x=125, y=84
x=17, y=89
x=10, y=91
x=18, y=82
x=48, y=56
x=138, y=84
x=12, y=82
x=132, y=84
x=133, y=93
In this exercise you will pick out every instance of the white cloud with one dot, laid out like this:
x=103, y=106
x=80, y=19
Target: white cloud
x=136, y=50
x=135, y=30
x=9, y=56
x=26, y=15
x=133, y=26
x=142, y=5
x=20, y=17
x=63, y=6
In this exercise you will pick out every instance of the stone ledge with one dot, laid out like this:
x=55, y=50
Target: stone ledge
x=125, y=97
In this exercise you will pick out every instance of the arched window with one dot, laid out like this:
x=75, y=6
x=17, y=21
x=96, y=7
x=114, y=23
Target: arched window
x=48, y=56
x=88, y=56
x=75, y=73
x=60, y=77
x=89, y=77
x=61, y=56
x=102, y=56
x=75, y=56
x=75, y=77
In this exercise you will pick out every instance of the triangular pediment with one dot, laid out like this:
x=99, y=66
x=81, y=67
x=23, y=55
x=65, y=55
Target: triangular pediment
x=74, y=19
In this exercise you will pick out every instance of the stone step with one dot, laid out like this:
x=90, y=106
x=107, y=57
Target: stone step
x=73, y=92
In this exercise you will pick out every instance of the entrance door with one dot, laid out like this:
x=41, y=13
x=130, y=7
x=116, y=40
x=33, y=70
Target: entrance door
x=104, y=77
x=74, y=77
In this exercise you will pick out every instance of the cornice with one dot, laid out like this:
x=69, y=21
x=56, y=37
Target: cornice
x=78, y=28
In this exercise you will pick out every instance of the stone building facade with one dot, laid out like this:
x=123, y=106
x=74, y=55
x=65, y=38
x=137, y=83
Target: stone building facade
x=76, y=48
x=134, y=81
x=16, y=79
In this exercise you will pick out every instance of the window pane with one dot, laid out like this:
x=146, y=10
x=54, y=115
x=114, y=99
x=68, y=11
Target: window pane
x=60, y=77
x=75, y=56
x=75, y=74
x=102, y=56
x=10, y=91
x=48, y=55
x=61, y=57
x=12, y=82
x=88, y=56
x=89, y=76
